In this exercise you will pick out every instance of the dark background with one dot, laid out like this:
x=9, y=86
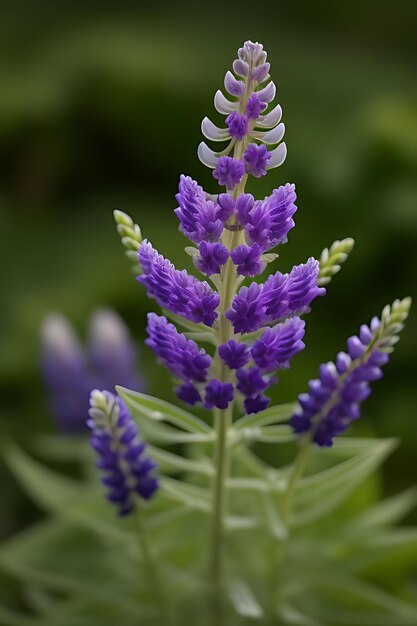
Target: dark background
x=100, y=108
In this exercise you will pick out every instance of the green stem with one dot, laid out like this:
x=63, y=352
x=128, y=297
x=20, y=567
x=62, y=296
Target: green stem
x=151, y=572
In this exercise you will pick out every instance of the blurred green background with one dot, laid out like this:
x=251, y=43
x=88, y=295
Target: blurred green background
x=100, y=108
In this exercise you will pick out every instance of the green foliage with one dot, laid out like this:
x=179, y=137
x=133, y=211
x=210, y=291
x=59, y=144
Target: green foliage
x=318, y=567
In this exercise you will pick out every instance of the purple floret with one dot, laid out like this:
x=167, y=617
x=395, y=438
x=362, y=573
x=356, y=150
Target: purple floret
x=211, y=257
x=218, y=394
x=180, y=355
x=256, y=404
x=247, y=259
x=234, y=354
x=256, y=159
x=247, y=313
x=238, y=125
x=278, y=345
x=254, y=107
x=176, y=290
x=228, y=171
x=199, y=219
x=270, y=221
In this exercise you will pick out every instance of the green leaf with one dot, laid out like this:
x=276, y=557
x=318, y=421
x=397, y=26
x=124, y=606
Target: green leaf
x=170, y=462
x=272, y=415
x=49, y=489
x=318, y=494
x=195, y=497
x=243, y=600
x=267, y=434
x=385, y=513
x=159, y=410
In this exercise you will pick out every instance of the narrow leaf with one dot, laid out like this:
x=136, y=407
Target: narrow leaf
x=159, y=410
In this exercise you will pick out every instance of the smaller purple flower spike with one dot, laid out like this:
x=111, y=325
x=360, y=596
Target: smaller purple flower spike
x=189, y=394
x=218, y=395
x=70, y=370
x=275, y=348
x=199, y=220
x=274, y=296
x=270, y=221
x=228, y=172
x=333, y=400
x=256, y=404
x=256, y=159
x=127, y=473
x=176, y=290
x=247, y=259
x=247, y=313
x=112, y=355
x=211, y=257
x=180, y=355
x=234, y=354
x=254, y=107
x=238, y=125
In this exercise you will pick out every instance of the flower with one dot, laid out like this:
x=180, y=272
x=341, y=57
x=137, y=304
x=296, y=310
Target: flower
x=278, y=345
x=333, y=400
x=199, y=219
x=256, y=404
x=127, y=473
x=218, y=394
x=247, y=259
x=70, y=370
x=238, y=125
x=234, y=354
x=254, y=107
x=247, y=314
x=269, y=222
x=176, y=290
x=228, y=171
x=180, y=355
x=211, y=257
x=256, y=160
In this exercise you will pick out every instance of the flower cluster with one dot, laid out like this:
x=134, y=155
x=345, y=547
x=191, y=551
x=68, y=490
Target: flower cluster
x=333, y=400
x=70, y=371
x=256, y=329
x=247, y=121
x=127, y=473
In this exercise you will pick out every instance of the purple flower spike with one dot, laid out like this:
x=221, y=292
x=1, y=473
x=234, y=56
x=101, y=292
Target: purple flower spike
x=247, y=259
x=211, y=258
x=333, y=400
x=270, y=221
x=238, y=125
x=189, y=394
x=256, y=404
x=254, y=107
x=279, y=344
x=228, y=172
x=218, y=395
x=115, y=438
x=180, y=355
x=256, y=160
x=247, y=312
x=199, y=219
x=234, y=354
x=176, y=290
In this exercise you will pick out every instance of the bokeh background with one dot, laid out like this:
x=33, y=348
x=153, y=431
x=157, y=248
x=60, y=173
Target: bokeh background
x=100, y=108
